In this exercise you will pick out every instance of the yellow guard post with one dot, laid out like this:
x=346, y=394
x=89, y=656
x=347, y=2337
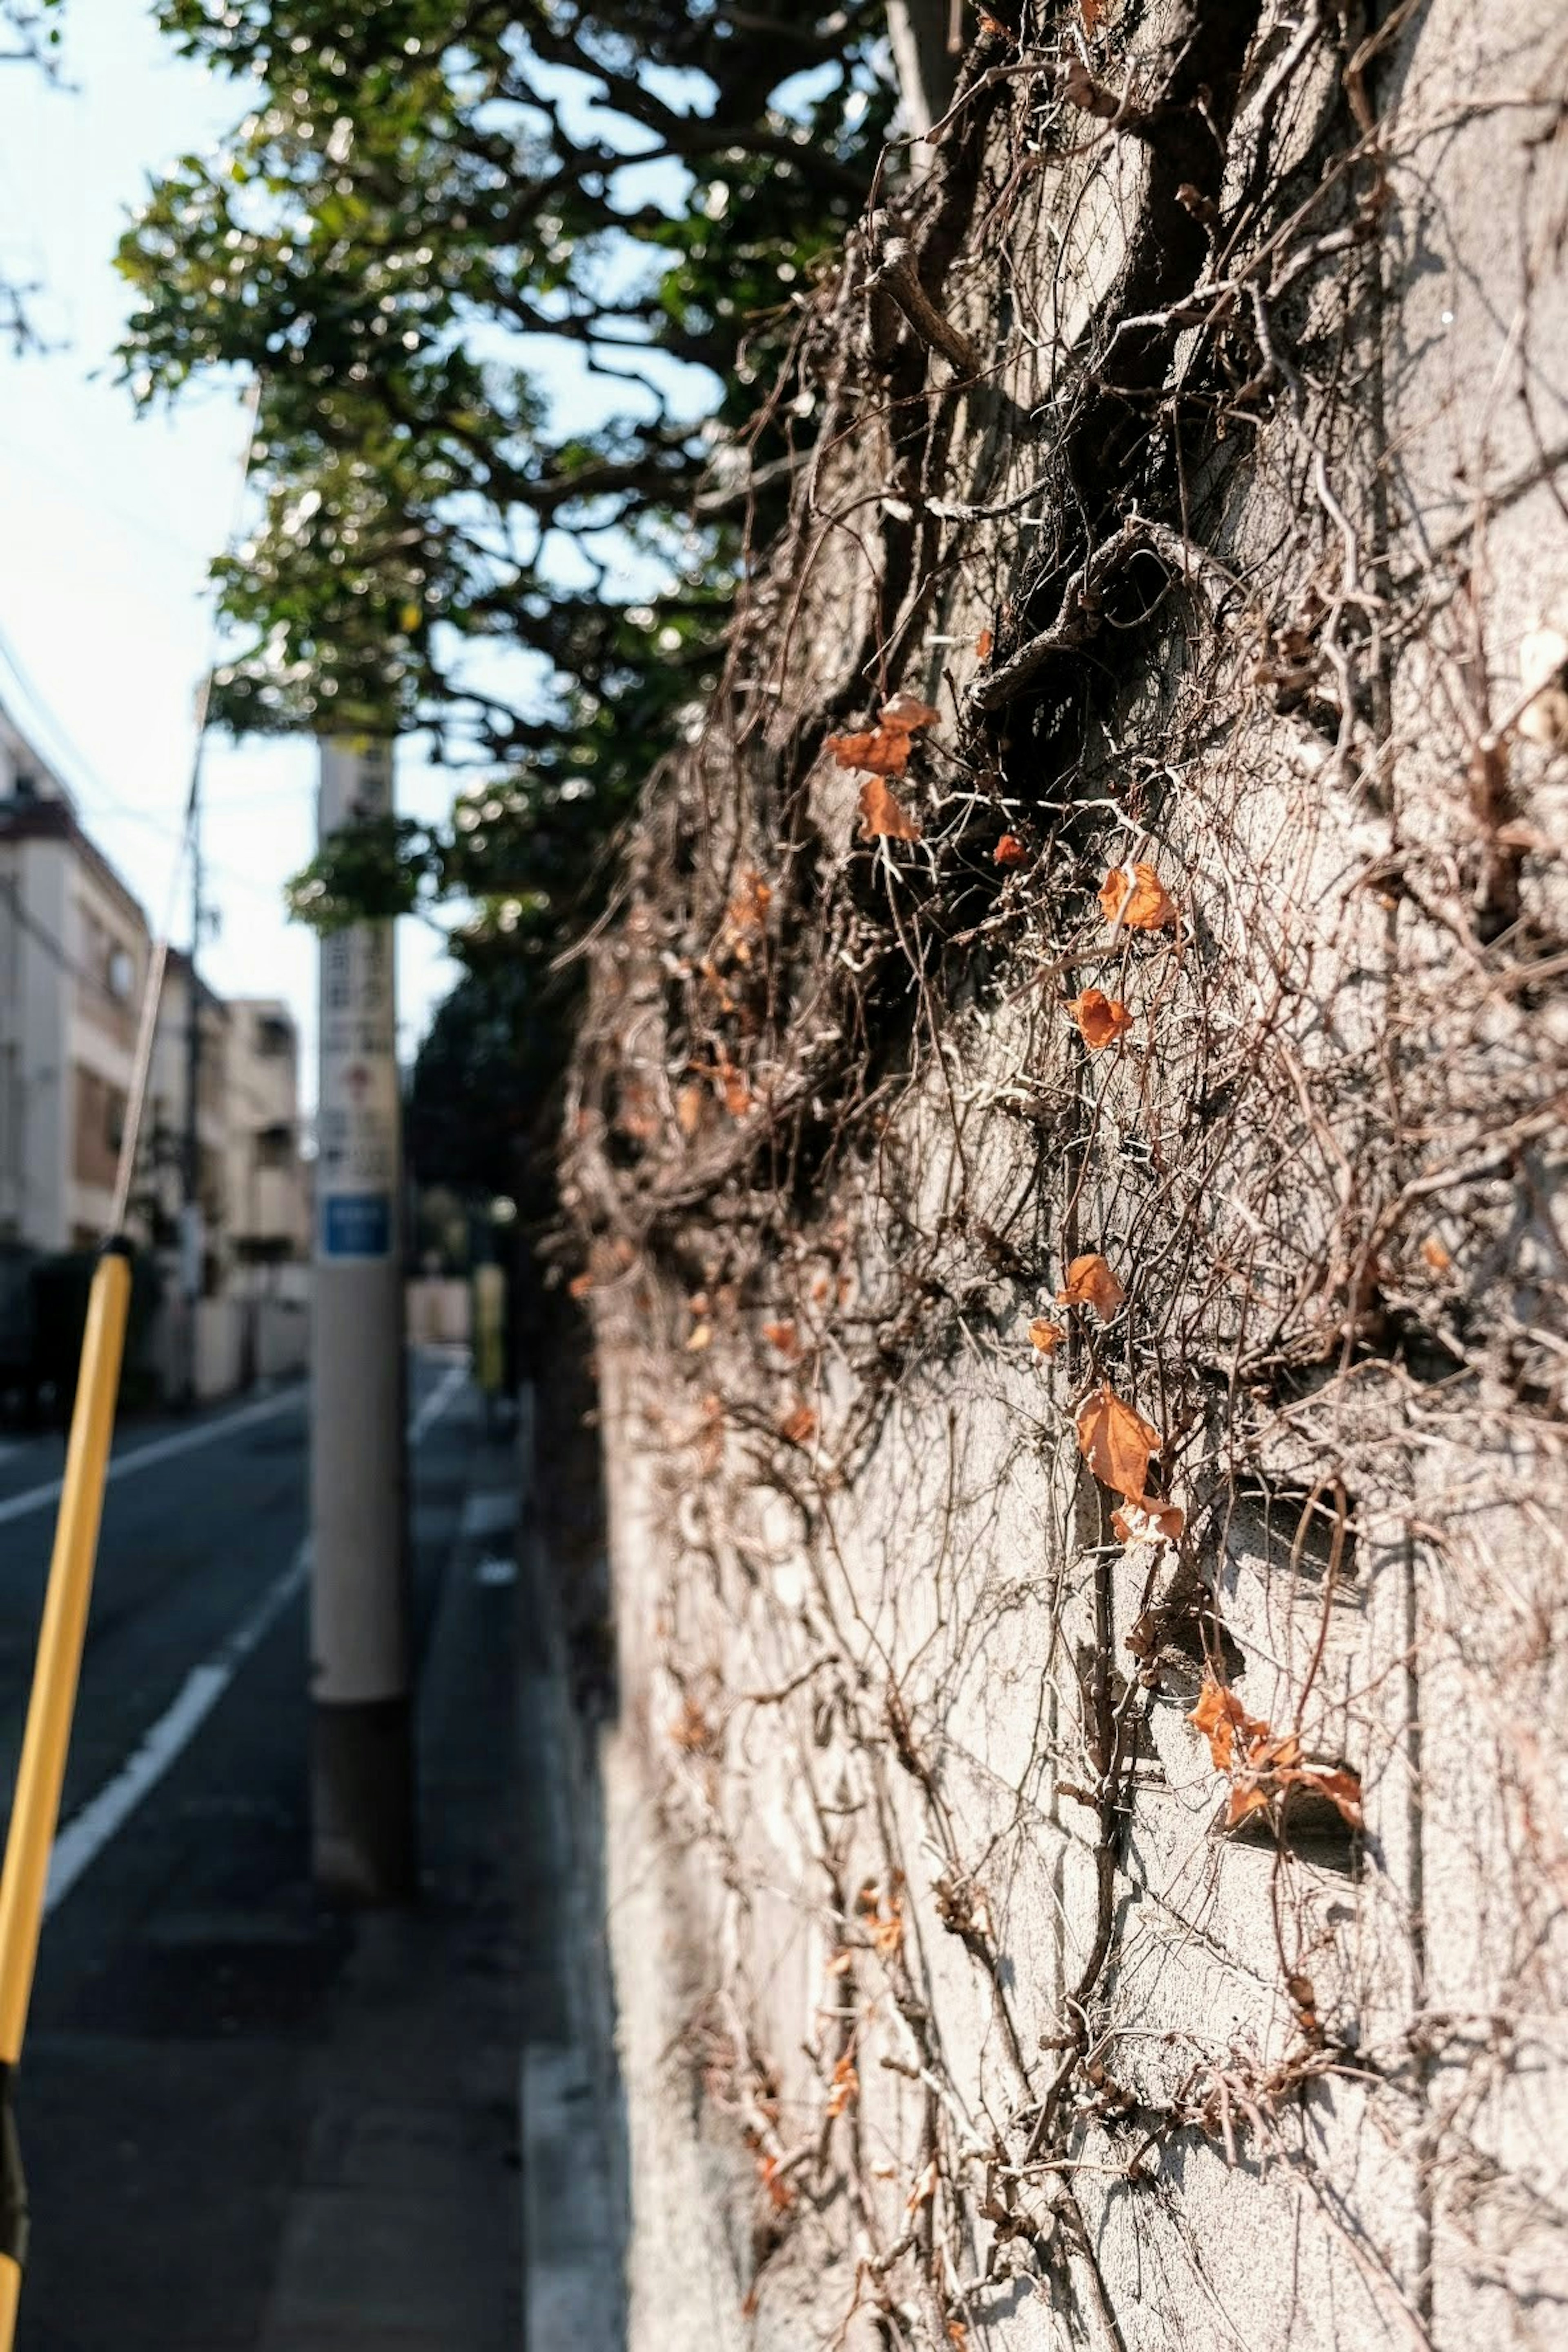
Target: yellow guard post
x=41, y=1774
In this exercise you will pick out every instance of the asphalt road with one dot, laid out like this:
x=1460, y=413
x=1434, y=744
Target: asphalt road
x=187, y=1966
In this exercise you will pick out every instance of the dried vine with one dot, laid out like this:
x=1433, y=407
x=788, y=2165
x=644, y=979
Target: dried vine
x=1069, y=1128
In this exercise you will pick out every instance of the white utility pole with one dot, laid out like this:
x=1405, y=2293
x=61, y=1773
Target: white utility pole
x=362, y=1753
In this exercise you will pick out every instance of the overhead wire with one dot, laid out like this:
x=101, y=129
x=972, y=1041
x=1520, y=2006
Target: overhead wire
x=141, y=1064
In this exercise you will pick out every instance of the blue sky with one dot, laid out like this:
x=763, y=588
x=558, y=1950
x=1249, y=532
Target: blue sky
x=108, y=522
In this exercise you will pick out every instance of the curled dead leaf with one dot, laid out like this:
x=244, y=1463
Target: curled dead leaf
x=1436, y=1256
x=845, y=2088
x=1045, y=1336
x=1079, y=88
x=1091, y=1283
x=1100, y=1018
x=982, y=645
x=780, y=2194
x=799, y=1426
x=783, y=1337
x=691, y=1730
x=1220, y=1717
x=701, y=1336
x=1009, y=851
x=884, y=750
x=883, y=817
x=884, y=1921
x=580, y=1284
x=1116, y=1443
x=690, y=1106
x=923, y=2191
x=1148, y=1522
x=1135, y=896
x=1263, y=1765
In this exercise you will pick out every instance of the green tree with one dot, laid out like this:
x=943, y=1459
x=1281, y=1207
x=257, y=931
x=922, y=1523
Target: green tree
x=509, y=277
x=435, y=233
x=29, y=36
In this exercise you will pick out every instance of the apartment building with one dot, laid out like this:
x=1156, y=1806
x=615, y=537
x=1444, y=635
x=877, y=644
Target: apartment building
x=269, y=1210
x=166, y=1140
x=74, y=950
x=75, y=953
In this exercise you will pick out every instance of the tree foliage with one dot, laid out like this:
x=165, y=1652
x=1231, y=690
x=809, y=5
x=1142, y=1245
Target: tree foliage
x=29, y=36
x=474, y=255
x=508, y=276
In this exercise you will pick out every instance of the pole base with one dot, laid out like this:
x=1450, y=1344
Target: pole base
x=362, y=1801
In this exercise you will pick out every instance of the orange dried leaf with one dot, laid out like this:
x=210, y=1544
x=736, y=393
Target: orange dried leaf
x=1045, y=1336
x=580, y=1286
x=884, y=750
x=1148, y=1522
x=798, y=1427
x=1243, y=1801
x=883, y=815
x=1116, y=1443
x=1338, y=1785
x=772, y=2177
x=1436, y=1256
x=1009, y=851
x=907, y=713
x=923, y=2191
x=1220, y=1716
x=691, y=1730
x=1091, y=11
x=887, y=1926
x=701, y=1336
x=1090, y=1283
x=638, y=1113
x=783, y=1337
x=846, y=2086
x=747, y=910
x=982, y=645
x=872, y=752
x=690, y=1102
x=1100, y=1018
x=1136, y=895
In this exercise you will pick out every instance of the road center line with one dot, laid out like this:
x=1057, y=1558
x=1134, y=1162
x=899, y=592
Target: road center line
x=161, y=1449
x=85, y=1834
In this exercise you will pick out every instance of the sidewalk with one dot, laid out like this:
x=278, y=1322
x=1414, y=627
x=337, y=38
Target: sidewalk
x=405, y=2228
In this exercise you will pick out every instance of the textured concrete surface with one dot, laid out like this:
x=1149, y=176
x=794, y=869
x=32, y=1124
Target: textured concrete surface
x=1314, y=2087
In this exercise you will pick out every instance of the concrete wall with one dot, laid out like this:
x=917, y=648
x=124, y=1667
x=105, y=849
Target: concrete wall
x=967, y=1996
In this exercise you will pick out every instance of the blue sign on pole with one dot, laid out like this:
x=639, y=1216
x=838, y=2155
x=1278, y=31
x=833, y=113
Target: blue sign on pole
x=356, y=1224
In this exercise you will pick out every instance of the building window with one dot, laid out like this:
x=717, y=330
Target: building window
x=120, y=972
x=274, y=1146
x=274, y=1037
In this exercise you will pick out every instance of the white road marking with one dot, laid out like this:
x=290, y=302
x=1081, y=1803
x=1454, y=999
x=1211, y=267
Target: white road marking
x=439, y=1398
x=84, y=1837
x=85, y=1834
x=163, y=1449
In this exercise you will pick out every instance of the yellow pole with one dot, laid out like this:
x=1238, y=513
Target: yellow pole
x=35, y=1808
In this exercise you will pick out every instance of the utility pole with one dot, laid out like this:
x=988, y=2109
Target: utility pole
x=363, y=1748
x=192, y=1240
